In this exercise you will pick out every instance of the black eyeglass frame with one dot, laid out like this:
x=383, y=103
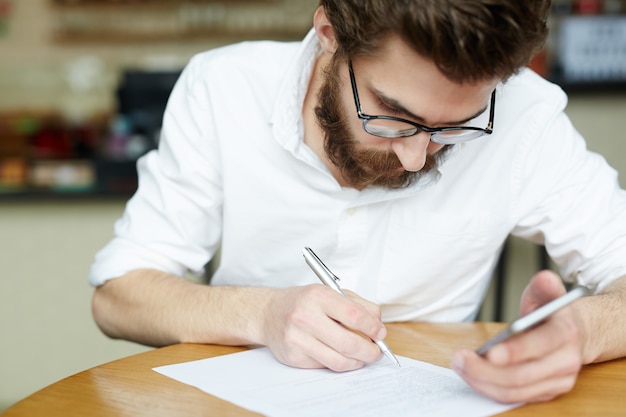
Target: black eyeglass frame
x=419, y=127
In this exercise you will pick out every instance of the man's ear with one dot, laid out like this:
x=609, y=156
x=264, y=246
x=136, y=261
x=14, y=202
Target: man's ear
x=325, y=31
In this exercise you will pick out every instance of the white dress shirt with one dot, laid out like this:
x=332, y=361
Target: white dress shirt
x=232, y=171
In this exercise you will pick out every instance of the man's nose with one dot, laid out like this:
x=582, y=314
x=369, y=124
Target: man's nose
x=412, y=151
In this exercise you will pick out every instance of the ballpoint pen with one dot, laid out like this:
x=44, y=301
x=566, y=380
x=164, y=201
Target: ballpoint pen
x=331, y=280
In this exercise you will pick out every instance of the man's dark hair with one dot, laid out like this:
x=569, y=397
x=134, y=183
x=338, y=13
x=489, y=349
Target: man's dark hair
x=468, y=40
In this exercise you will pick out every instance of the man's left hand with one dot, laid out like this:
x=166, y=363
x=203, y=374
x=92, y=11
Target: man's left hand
x=535, y=366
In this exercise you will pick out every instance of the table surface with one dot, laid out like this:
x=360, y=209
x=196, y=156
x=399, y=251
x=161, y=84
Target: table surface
x=129, y=386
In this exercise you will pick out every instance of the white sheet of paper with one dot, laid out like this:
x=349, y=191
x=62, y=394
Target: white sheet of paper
x=255, y=380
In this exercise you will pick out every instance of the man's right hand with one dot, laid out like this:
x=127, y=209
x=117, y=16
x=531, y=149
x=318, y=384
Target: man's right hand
x=315, y=327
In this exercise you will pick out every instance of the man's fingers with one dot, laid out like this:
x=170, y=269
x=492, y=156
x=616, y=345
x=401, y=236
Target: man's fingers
x=532, y=381
x=556, y=332
x=372, y=308
x=314, y=326
x=544, y=287
x=358, y=314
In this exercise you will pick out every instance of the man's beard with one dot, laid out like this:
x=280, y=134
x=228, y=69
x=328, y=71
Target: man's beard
x=359, y=167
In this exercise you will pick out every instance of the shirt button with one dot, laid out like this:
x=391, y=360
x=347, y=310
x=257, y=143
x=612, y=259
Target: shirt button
x=351, y=211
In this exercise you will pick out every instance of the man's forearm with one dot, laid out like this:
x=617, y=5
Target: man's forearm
x=604, y=316
x=156, y=308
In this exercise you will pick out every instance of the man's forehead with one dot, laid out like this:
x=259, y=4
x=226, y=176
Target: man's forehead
x=394, y=54
x=416, y=88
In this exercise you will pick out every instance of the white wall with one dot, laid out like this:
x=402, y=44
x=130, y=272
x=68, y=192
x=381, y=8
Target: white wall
x=600, y=118
x=47, y=332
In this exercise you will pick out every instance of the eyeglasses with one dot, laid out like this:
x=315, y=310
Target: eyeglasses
x=395, y=127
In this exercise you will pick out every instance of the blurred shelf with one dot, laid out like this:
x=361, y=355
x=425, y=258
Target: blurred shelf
x=34, y=195
x=586, y=51
x=94, y=37
x=102, y=21
x=613, y=88
x=126, y=4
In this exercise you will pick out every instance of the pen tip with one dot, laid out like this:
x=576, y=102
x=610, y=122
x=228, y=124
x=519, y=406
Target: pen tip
x=396, y=361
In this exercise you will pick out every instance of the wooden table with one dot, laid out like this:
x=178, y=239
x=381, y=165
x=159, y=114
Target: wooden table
x=129, y=386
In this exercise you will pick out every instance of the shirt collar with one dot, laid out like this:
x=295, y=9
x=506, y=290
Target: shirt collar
x=287, y=114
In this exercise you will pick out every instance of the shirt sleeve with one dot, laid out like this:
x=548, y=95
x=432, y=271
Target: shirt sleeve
x=173, y=222
x=570, y=200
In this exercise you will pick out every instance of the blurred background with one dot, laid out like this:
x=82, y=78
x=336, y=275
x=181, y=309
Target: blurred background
x=83, y=84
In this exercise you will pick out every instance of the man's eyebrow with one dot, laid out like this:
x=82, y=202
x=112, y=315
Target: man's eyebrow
x=399, y=108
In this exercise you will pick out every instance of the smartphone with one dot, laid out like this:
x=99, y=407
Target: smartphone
x=534, y=318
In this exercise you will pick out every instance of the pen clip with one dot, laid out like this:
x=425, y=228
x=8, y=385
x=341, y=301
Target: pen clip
x=321, y=264
x=316, y=263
